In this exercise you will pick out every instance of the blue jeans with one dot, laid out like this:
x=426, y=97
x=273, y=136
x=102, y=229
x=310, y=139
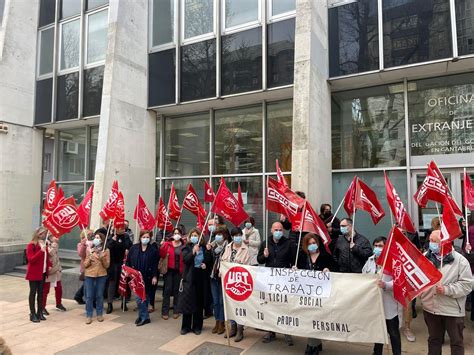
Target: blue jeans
x=217, y=300
x=94, y=290
x=142, y=307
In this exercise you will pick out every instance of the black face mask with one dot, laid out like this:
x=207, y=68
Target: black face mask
x=327, y=213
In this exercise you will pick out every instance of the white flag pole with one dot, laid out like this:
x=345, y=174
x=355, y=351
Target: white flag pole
x=301, y=232
x=468, y=243
x=337, y=211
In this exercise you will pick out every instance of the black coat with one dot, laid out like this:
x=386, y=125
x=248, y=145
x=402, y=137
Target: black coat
x=188, y=288
x=149, y=268
x=323, y=261
x=293, y=236
x=117, y=248
x=352, y=260
x=336, y=229
x=281, y=254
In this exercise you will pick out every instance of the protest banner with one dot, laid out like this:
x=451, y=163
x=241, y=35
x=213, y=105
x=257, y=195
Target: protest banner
x=305, y=303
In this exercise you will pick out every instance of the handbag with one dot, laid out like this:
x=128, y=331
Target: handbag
x=81, y=276
x=163, y=265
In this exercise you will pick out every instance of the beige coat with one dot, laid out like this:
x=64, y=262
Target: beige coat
x=253, y=236
x=458, y=283
x=54, y=274
x=241, y=257
x=96, y=265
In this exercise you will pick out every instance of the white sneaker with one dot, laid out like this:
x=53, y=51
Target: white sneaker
x=409, y=334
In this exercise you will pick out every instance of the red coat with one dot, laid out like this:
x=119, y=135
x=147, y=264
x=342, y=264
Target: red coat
x=168, y=248
x=35, y=257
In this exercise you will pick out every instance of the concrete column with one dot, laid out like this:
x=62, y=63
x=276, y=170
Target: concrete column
x=127, y=131
x=20, y=144
x=311, y=150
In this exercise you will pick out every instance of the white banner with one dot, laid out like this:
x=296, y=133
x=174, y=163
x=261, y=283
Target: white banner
x=332, y=306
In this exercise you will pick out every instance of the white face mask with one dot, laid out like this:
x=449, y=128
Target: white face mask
x=176, y=237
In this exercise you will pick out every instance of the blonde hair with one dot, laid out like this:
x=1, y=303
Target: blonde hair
x=85, y=233
x=37, y=233
x=435, y=223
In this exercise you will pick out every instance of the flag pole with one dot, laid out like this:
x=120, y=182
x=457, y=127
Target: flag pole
x=386, y=253
x=337, y=211
x=441, y=245
x=226, y=322
x=179, y=218
x=108, y=231
x=301, y=231
x=465, y=216
x=266, y=214
x=353, y=225
x=208, y=214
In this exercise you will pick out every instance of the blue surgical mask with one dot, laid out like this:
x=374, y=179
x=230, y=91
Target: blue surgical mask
x=434, y=247
x=277, y=235
x=344, y=229
x=313, y=248
x=212, y=228
x=248, y=225
x=219, y=238
x=145, y=241
x=96, y=242
x=238, y=239
x=194, y=239
x=377, y=251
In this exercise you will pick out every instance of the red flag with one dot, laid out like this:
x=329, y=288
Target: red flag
x=281, y=178
x=136, y=281
x=63, y=218
x=366, y=199
x=162, y=217
x=239, y=196
x=119, y=215
x=174, y=211
x=84, y=209
x=192, y=204
x=143, y=216
x=434, y=188
x=227, y=206
x=312, y=223
x=108, y=211
x=281, y=199
x=349, y=197
x=412, y=272
x=50, y=201
x=398, y=209
x=468, y=192
x=123, y=290
x=209, y=194
x=449, y=227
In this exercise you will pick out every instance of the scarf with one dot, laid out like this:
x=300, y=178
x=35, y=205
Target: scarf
x=436, y=258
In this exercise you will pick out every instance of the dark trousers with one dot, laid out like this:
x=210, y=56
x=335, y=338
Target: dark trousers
x=36, y=290
x=114, y=278
x=437, y=325
x=151, y=293
x=395, y=339
x=170, y=288
x=472, y=305
x=80, y=293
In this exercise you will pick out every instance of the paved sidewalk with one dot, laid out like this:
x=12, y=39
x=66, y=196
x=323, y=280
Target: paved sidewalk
x=67, y=333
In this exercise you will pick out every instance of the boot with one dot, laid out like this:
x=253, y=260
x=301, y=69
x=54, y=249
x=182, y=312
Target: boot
x=240, y=333
x=214, y=330
x=110, y=308
x=41, y=316
x=220, y=327
x=232, y=331
x=34, y=318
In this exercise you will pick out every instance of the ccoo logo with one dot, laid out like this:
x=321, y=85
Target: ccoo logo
x=238, y=283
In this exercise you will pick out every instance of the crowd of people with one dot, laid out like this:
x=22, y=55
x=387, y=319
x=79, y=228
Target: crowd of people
x=189, y=262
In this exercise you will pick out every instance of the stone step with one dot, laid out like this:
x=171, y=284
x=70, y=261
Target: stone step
x=15, y=274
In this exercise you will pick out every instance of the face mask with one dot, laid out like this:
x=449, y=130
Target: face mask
x=327, y=213
x=277, y=235
x=194, y=239
x=248, y=225
x=96, y=242
x=434, y=247
x=238, y=239
x=212, y=228
x=145, y=241
x=344, y=230
x=312, y=248
x=219, y=238
x=377, y=251
x=176, y=237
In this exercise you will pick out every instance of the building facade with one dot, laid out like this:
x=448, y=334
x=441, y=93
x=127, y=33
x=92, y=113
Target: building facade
x=155, y=92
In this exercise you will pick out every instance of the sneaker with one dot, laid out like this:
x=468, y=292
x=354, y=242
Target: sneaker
x=60, y=307
x=100, y=318
x=165, y=316
x=288, y=340
x=88, y=320
x=175, y=315
x=270, y=336
x=45, y=312
x=409, y=334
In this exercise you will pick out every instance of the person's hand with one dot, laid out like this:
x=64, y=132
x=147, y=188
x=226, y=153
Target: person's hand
x=162, y=241
x=208, y=246
x=329, y=225
x=42, y=246
x=246, y=241
x=265, y=252
x=196, y=249
x=351, y=245
x=468, y=248
x=381, y=284
x=326, y=269
x=294, y=268
x=154, y=280
x=126, y=252
x=282, y=218
x=114, y=237
x=203, y=266
x=440, y=290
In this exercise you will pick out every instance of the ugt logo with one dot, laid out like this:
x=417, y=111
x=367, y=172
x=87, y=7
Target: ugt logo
x=238, y=283
x=66, y=216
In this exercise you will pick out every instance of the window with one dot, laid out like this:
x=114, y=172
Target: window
x=281, y=53
x=67, y=97
x=238, y=140
x=163, y=22
x=242, y=61
x=465, y=26
x=69, y=8
x=416, y=31
x=43, y=101
x=187, y=145
x=72, y=145
x=2, y=7
x=198, y=18
x=279, y=7
x=47, y=163
x=198, y=70
x=353, y=38
x=47, y=12
x=368, y=128
x=279, y=134
x=70, y=41
x=46, y=51
x=93, y=80
x=97, y=25
x=240, y=12
x=161, y=78
x=93, y=142
x=92, y=4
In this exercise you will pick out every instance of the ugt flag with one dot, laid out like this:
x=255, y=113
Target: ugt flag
x=468, y=192
x=174, y=211
x=119, y=215
x=108, y=211
x=84, y=209
x=136, y=281
x=227, y=206
x=143, y=215
x=63, y=218
x=209, y=194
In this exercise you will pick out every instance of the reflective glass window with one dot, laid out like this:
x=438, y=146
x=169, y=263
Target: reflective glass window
x=279, y=134
x=282, y=6
x=91, y=4
x=238, y=140
x=43, y=101
x=2, y=6
x=416, y=31
x=69, y=240
x=94, y=140
x=198, y=17
x=240, y=12
x=368, y=128
x=72, y=154
x=465, y=26
x=97, y=36
x=198, y=70
x=47, y=12
x=69, y=8
x=70, y=40
x=163, y=22
x=242, y=61
x=158, y=145
x=281, y=53
x=46, y=51
x=93, y=80
x=353, y=38
x=67, y=96
x=161, y=77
